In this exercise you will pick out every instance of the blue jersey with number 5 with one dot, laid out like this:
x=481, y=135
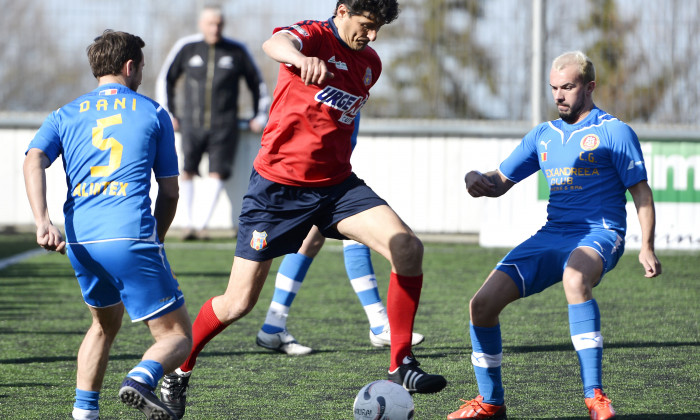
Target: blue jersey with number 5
x=110, y=140
x=588, y=166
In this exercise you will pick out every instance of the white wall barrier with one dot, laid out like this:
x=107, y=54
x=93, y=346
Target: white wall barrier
x=421, y=177
x=16, y=211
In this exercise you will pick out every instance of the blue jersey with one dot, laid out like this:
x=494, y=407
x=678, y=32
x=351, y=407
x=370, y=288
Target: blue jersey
x=589, y=166
x=110, y=140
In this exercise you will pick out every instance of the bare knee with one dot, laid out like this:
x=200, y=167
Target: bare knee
x=107, y=330
x=576, y=288
x=107, y=321
x=231, y=308
x=406, y=254
x=312, y=243
x=583, y=270
x=495, y=294
x=482, y=311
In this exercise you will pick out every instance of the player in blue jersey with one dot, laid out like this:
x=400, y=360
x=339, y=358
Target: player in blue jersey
x=590, y=159
x=111, y=140
x=273, y=334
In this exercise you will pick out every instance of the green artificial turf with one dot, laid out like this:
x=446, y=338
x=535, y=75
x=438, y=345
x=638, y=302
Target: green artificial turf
x=650, y=326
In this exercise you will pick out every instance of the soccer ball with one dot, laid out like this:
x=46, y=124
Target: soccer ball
x=383, y=400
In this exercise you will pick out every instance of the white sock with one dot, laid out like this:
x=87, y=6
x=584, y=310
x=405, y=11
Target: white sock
x=187, y=197
x=181, y=372
x=376, y=315
x=82, y=414
x=216, y=186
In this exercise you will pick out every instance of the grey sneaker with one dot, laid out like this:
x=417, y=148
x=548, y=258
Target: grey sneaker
x=282, y=342
x=383, y=339
x=139, y=396
x=414, y=379
x=173, y=392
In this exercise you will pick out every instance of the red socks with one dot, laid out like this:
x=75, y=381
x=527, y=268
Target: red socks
x=402, y=304
x=205, y=327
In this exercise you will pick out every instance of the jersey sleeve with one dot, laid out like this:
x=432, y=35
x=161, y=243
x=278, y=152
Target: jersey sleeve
x=256, y=85
x=626, y=154
x=307, y=32
x=47, y=139
x=523, y=160
x=167, y=78
x=165, y=164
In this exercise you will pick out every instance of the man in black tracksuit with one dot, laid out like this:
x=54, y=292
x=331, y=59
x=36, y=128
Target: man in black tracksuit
x=208, y=115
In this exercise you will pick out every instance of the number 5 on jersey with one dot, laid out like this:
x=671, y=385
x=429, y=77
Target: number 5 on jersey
x=115, y=148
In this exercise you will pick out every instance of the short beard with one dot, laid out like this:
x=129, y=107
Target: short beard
x=571, y=116
x=568, y=118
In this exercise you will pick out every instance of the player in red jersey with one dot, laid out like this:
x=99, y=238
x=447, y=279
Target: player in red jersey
x=302, y=177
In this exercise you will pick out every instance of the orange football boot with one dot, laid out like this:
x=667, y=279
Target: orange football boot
x=600, y=407
x=478, y=409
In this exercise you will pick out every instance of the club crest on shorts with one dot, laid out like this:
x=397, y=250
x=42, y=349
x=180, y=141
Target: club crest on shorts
x=259, y=241
x=590, y=142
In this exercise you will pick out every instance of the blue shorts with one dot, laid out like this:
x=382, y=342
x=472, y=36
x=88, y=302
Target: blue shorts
x=539, y=262
x=275, y=218
x=136, y=273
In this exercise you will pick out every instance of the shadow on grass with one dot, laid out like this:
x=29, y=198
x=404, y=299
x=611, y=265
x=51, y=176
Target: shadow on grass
x=52, y=270
x=5, y=331
x=438, y=351
x=24, y=385
x=621, y=345
x=69, y=358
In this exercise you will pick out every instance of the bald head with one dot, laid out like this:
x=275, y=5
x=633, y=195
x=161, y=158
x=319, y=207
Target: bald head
x=211, y=24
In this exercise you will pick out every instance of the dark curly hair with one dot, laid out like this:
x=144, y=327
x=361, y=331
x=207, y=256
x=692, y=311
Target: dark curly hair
x=383, y=10
x=108, y=53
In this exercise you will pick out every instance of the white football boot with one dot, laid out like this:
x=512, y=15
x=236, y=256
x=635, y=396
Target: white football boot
x=383, y=339
x=282, y=342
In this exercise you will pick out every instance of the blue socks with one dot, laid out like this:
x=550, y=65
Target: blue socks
x=287, y=283
x=487, y=352
x=86, y=400
x=358, y=265
x=291, y=274
x=584, y=325
x=86, y=406
x=148, y=372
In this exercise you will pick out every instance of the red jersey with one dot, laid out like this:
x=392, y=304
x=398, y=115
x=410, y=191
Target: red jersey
x=307, y=140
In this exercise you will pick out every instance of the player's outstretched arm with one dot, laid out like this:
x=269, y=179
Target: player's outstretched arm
x=490, y=184
x=47, y=235
x=644, y=202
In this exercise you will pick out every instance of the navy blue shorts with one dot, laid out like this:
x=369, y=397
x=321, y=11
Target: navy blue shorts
x=275, y=218
x=136, y=273
x=539, y=262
